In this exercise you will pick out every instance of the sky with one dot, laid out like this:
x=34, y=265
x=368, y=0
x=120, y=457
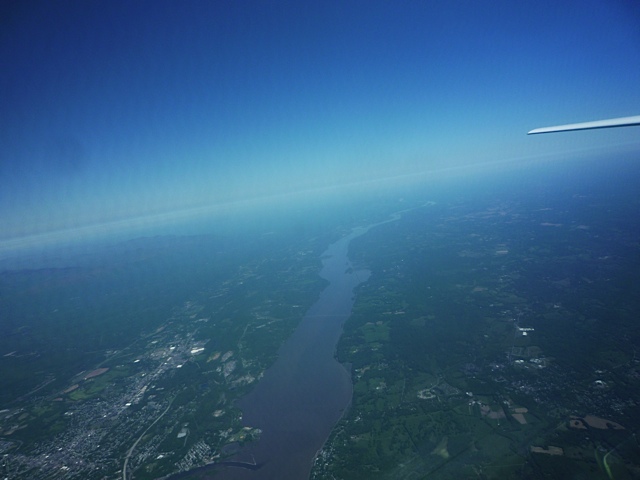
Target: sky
x=111, y=111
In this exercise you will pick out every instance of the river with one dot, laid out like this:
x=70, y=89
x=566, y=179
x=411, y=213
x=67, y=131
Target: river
x=305, y=392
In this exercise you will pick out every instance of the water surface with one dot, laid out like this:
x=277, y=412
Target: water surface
x=304, y=393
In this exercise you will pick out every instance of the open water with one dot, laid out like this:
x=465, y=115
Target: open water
x=305, y=392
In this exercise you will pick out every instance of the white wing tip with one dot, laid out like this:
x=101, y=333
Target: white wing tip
x=609, y=123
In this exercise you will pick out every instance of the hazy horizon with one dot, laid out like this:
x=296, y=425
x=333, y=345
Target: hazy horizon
x=114, y=111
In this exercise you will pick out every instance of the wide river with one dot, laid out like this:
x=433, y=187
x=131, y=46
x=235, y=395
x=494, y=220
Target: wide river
x=305, y=392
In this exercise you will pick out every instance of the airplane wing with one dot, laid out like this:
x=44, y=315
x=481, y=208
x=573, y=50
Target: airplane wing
x=612, y=122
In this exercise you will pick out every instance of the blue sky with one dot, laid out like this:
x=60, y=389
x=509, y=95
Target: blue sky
x=111, y=110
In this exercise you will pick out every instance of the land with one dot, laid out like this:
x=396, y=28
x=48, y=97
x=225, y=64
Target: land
x=496, y=339
x=160, y=399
